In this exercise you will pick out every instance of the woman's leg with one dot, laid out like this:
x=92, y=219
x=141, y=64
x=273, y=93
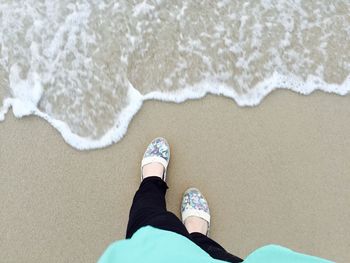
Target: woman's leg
x=212, y=248
x=196, y=218
x=149, y=209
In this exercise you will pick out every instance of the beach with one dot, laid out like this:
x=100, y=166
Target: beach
x=277, y=173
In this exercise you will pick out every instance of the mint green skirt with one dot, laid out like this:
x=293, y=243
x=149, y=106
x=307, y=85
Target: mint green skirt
x=152, y=245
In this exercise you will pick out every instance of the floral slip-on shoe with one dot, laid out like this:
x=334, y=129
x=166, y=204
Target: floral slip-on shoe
x=195, y=204
x=157, y=151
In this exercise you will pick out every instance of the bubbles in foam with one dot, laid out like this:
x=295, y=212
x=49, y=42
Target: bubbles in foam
x=87, y=66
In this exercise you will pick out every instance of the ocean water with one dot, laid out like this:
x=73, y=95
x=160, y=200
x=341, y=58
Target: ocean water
x=87, y=66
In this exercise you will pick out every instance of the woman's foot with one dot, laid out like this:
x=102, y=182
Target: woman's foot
x=195, y=224
x=155, y=159
x=195, y=212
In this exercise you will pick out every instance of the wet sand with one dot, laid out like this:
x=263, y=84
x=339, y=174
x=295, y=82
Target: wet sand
x=277, y=173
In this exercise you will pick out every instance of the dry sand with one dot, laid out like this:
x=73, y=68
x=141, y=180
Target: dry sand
x=276, y=173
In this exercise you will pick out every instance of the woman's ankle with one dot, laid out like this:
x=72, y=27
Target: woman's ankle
x=153, y=169
x=196, y=224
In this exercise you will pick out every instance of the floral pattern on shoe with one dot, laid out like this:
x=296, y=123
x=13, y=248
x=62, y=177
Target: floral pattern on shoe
x=193, y=199
x=158, y=147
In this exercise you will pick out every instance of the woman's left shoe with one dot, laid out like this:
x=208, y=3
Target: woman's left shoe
x=157, y=151
x=195, y=204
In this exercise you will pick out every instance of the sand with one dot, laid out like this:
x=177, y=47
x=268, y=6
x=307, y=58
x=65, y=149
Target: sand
x=277, y=173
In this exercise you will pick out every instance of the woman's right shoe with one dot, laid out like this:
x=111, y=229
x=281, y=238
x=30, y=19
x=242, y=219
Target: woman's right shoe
x=157, y=151
x=195, y=204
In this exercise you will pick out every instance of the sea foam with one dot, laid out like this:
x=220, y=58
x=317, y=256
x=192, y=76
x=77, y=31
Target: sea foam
x=86, y=67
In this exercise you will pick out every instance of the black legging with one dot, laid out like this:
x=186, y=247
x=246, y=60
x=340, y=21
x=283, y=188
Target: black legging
x=149, y=209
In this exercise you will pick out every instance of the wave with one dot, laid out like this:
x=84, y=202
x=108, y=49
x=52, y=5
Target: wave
x=87, y=67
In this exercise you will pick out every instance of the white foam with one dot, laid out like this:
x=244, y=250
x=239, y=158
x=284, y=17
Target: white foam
x=5, y=108
x=256, y=95
x=115, y=134
x=26, y=92
x=135, y=101
x=83, y=143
